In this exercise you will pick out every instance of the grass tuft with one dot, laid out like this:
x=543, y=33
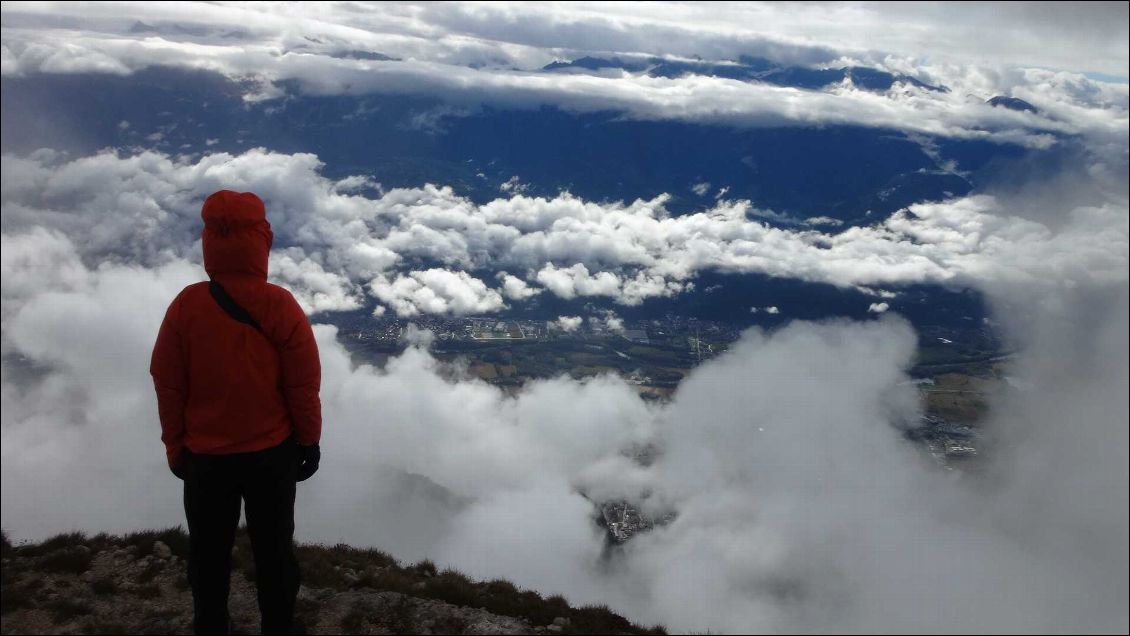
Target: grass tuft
x=176, y=538
x=72, y=560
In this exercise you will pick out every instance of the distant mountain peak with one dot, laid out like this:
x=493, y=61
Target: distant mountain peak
x=590, y=63
x=1012, y=103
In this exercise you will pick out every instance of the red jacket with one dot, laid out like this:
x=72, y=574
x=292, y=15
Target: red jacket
x=222, y=387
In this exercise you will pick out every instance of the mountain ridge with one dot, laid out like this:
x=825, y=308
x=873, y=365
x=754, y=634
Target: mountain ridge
x=136, y=583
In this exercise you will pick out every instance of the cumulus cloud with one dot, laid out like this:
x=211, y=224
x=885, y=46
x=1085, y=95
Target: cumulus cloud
x=436, y=291
x=515, y=288
x=569, y=324
x=332, y=244
x=577, y=281
x=314, y=288
x=607, y=320
x=878, y=308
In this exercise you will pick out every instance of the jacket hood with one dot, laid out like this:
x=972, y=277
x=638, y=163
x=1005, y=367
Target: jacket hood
x=237, y=237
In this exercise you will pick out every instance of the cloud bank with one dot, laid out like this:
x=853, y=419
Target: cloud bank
x=799, y=506
x=475, y=54
x=417, y=251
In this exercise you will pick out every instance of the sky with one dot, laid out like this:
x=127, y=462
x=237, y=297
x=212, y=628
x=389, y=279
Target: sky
x=800, y=508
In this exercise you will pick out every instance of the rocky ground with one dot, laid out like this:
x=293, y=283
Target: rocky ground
x=136, y=584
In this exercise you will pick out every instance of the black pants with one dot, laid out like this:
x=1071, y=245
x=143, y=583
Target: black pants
x=213, y=488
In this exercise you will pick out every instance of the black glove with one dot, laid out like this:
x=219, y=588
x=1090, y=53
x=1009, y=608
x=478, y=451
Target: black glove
x=308, y=458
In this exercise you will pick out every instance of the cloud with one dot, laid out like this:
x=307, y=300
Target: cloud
x=800, y=507
x=576, y=281
x=41, y=259
x=76, y=343
x=569, y=324
x=607, y=320
x=878, y=308
x=332, y=244
x=515, y=288
x=315, y=289
x=465, y=57
x=523, y=35
x=1090, y=39
x=513, y=184
x=823, y=220
x=435, y=291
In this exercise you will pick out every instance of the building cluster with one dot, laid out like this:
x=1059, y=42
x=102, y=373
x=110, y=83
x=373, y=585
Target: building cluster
x=701, y=336
x=945, y=441
x=624, y=521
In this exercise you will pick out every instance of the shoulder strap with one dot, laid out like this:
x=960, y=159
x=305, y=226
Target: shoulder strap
x=230, y=307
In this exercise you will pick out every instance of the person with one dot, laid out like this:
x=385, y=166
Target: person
x=237, y=376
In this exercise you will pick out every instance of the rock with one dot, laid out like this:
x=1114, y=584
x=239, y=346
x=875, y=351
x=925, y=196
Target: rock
x=561, y=621
x=162, y=551
x=553, y=629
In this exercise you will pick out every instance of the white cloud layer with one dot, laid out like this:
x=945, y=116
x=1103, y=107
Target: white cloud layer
x=415, y=249
x=799, y=507
x=469, y=54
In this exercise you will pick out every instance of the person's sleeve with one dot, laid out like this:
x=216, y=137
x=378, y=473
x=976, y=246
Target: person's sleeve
x=170, y=378
x=301, y=376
